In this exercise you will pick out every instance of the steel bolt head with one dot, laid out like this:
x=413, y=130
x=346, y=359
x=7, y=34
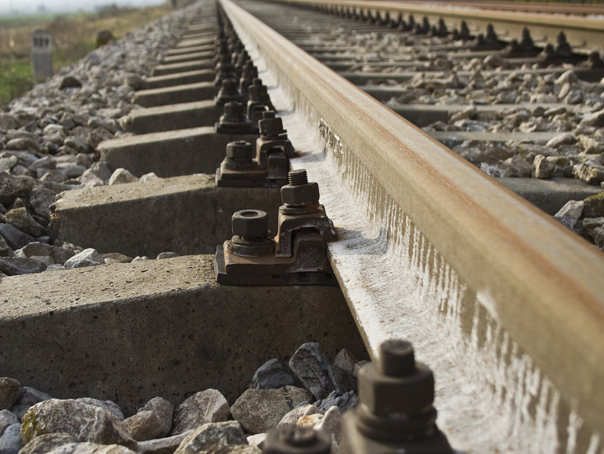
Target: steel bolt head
x=240, y=151
x=299, y=195
x=410, y=392
x=271, y=126
x=250, y=224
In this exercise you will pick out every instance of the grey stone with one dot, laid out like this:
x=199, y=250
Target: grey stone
x=291, y=418
x=164, y=411
x=69, y=82
x=9, y=392
x=21, y=219
x=7, y=418
x=204, y=407
x=121, y=176
x=143, y=426
x=161, y=445
x=88, y=257
x=8, y=121
x=311, y=367
x=345, y=360
x=259, y=410
x=82, y=421
x=565, y=138
x=77, y=144
x=217, y=437
x=345, y=401
x=47, y=442
x=14, y=266
x=543, y=168
x=59, y=256
x=343, y=381
x=271, y=376
x=20, y=410
x=588, y=173
x=30, y=396
x=72, y=170
x=570, y=213
x=5, y=250
x=90, y=448
x=54, y=175
x=598, y=237
x=97, y=136
x=11, y=441
x=594, y=206
x=107, y=405
x=517, y=167
x=40, y=199
x=12, y=187
x=47, y=162
x=22, y=144
x=139, y=258
x=595, y=119
x=166, y=255
x=116, y=257
x=102, y=169
x=7, y=163
x=149, y=177
x=331, y=424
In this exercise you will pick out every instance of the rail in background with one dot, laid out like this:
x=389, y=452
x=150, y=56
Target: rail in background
x=582, y=33
x=493, y=291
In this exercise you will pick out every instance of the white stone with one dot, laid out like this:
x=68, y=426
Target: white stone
x=121, y=176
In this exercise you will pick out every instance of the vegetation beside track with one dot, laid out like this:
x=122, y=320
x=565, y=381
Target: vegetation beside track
x=73, y=35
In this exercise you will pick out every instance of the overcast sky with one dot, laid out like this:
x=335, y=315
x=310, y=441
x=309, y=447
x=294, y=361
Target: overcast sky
x=34, y=6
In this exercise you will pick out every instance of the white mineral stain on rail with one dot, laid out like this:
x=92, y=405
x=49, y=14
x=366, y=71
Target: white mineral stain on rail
x=491, y=398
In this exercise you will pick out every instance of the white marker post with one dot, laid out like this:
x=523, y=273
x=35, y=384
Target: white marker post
x=41, y=52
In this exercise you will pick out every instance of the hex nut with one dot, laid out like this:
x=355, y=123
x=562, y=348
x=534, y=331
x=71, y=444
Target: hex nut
x=300, y=195
x=250, y=223
x=385, y=395
x=270, y=125
x=240, y=151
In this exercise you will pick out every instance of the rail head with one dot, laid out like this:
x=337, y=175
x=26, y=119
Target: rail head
x=543, y=283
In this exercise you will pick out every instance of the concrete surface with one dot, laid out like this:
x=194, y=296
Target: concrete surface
x=163, y=70
x=180, y=78
x=189, y=50
x=172, y=117
x=170, y=153
x=187, y=56
x=550, y=195
x=175, y=95
x=193, y=42
x=186, y=215
x=130, y=332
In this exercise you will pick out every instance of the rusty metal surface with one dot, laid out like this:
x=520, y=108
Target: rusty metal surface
x=518, y=286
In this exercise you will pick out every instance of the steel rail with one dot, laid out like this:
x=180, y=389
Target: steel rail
x=580, y=32
x=486, y=275
x=538, y=7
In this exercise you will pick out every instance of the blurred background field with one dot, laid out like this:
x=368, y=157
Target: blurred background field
x=73, y=36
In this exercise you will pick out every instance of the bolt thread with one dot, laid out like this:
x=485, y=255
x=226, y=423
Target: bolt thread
x=297, y=177
x=396, y=358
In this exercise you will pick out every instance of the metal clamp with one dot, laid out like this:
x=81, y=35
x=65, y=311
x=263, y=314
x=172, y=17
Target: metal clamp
x=254, y=257
x=240, y=169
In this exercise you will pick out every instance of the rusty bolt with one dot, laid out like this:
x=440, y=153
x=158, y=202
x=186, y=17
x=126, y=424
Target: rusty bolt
x=240, y=151
x=299, y=191
x=250, y=224
x=271, y=126
x=296, y=440
x=233, y=112
x=229, y=88
x=398, y=384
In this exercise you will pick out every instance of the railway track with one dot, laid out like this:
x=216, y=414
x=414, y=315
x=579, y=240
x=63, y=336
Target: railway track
x=503, y=302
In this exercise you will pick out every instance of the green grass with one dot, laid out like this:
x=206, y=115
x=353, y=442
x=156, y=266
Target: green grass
x=73, y=36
